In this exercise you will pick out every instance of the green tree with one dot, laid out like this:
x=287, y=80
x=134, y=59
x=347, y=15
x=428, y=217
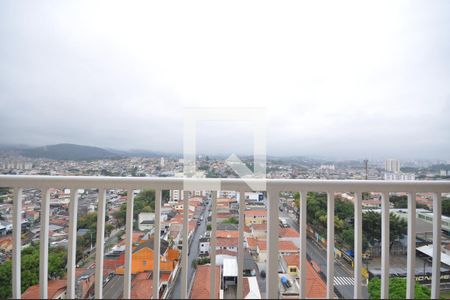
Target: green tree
x=297, y=200
x=57, y=261
x=231, y=220
x=446, y=207
x=143, y=202
x=399, y=201
x=397, y=289
x=200, y=261
x=108, y=229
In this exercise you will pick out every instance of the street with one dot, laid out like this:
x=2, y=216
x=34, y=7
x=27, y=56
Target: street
x=193, y=254
x=343, y=274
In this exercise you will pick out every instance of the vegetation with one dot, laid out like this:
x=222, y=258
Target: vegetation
x=446, y=207
x=397, y=289
x=231, y=220
x=200, y=261
x=57, y=261
x=4, y=191
x=344, y=220
x=402, y=202
x=143, y=202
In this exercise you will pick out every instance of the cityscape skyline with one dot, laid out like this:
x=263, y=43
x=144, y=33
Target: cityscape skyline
x=148, y=152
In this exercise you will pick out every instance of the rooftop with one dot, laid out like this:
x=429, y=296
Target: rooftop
x=200, y=288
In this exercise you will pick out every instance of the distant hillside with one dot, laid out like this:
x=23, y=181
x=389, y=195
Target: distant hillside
x=69, y=152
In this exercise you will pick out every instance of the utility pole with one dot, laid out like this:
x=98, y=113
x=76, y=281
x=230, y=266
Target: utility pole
x=366, y=162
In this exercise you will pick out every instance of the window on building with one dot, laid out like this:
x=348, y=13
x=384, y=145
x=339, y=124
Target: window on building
x=293, y=269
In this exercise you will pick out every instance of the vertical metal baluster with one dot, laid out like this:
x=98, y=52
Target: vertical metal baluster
x=239, y=293
x=17, y=243
x=72, y=245
x=212, y=245
x=157, y=237
x=43, y=257
x=185, y=249
x=100, y=243
x=385, y=219
x=272, y=249
x=358, y=246
x=411, y=256
x=436, y=262
x=303, y=233
x=330, y=245
x=128, y=245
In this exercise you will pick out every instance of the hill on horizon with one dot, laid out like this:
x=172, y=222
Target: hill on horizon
x=69, y=152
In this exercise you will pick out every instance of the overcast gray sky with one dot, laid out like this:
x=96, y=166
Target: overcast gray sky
x=350, y=79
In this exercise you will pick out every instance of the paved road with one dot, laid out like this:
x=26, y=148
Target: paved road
x=343, y=274
x=193, y=254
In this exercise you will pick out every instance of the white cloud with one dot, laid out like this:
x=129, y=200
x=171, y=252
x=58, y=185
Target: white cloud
x=347, y=78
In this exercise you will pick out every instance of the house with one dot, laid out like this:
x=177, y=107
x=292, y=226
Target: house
x=146, y=221
x=259, y=231
x=84, y=287
x=204, y=245
x=287, y=247
x=255, y=216
x=251, y=288
x=167, y=212
x=230, y=244
x=289, y=234
x=229, y=272
x=284, y=247
x=200, y=288
x=226, y=203
x=227, y=234
x=142, y=286
x=142, y=258
x=291, y=264
x=315, y=285
x=56, y=290
x=252, y=244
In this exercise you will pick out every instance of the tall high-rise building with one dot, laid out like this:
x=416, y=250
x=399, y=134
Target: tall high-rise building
x=392, y=165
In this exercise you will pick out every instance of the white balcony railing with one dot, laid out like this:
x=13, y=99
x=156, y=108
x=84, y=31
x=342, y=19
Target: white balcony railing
x=272, y=187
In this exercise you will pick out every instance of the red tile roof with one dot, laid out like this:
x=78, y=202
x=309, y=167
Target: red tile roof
x=55, y=287
x=227, y=234
x=292, y=259
x=288, y=233
x=142, y=286
x=315, y=286
x=200, y=288
x=226, y=252
x=255, y=212
x=252, y=243
x=226, y=242
x=287, y=246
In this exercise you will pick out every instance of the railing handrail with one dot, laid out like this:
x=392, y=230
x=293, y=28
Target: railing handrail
x=236, y=184
x=240, y=185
